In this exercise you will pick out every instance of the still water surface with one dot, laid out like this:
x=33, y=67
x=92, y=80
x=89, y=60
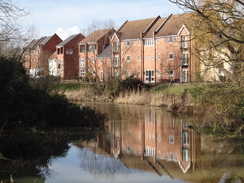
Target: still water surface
x=144, y=144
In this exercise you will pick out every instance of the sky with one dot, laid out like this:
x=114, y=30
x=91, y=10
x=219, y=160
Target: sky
x=67, y=17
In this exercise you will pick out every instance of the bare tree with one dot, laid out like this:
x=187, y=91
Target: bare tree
x=12, y=33
x=99, y=34
x=219, y=27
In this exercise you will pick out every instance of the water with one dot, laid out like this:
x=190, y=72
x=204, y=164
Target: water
x=143, y=144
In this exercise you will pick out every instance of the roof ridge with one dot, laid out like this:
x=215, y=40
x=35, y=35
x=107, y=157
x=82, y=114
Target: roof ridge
x=150, y=25
x=163, y=23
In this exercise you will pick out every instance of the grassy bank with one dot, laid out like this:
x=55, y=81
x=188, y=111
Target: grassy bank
x=214, y=104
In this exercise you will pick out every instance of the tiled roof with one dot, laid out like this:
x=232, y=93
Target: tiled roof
x=106, y=53
x=156, y=26
x=67, y=40
x=174, y=24
x=133, y=29
x=45, y=40
x=35, y=42
x=96, y=35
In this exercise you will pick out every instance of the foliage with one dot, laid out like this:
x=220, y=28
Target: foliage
x=37, y=104
x=117, y=85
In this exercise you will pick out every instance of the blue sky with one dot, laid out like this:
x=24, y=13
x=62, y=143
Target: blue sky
x=66, y=17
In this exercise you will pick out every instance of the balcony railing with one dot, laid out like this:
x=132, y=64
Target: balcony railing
x=184, y=61
x=116, y=50
x=184, y=45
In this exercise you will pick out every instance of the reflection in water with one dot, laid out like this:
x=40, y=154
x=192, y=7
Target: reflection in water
x=155, y=141
x=143, y=145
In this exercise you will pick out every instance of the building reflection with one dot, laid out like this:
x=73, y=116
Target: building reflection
x=157, y=139
x=159, y=142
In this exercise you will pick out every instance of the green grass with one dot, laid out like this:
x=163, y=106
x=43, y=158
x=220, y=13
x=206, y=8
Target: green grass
x=69, y=86
x=177, y=89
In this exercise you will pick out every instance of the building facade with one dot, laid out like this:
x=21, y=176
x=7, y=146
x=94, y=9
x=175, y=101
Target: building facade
x=37, y=53
x=65, y=61
x=94, y=55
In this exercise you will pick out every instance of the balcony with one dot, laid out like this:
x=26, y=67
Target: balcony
x=184, y=45
x=184, y=61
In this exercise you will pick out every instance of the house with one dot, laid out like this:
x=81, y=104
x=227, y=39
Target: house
x=92, y=61
x=65, y=62
x=154, y=50
x=38, y=51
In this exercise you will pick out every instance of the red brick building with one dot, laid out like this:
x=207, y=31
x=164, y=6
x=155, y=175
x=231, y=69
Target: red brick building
x=154, y=49
x=67, y=57
x=94, y=63
x=37, y=53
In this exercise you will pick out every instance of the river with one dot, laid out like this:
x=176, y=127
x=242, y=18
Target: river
x=143, y=144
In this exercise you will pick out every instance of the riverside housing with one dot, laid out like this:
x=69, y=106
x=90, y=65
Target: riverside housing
x=152, y=50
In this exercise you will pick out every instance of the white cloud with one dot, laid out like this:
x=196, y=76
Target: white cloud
x=64, y=33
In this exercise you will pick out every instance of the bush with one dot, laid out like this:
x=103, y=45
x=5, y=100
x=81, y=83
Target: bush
x=36, y=102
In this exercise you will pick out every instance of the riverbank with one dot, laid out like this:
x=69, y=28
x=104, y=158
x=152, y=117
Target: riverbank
x=215, y=105
x=176, y=98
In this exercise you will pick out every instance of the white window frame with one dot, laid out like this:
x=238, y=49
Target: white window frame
x=116, y=61
x=128, y=73
x=127, y=43
x=171, y=58
x=149, y=42
x=101, y=76
x=82, y=62
x=128, y=58
x=184, y=58
x=171, y=139
x=148, y=76
x=159, y=56
x=82, y=72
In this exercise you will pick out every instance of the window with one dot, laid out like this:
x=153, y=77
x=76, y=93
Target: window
x=139, y=42
x=69, y=51
x=159, y=57
x=184, y=59
x=158, y=72
x=170, y=73
x=116, y=47
x=185, y=75
x=171, y=56
x=138, y=57
x=82, y=62
x=185, y=138
x=184, y=42
x=185, y=155
x=128, y=58
x=116, y=61
x=170, y=39
x=128, y=73
x=60, y=51
x=82, y=72
x=82, y=48
x=149, y=42
x=127, y=43
x=101, y=75
x=158, y=41
x=92, y=48
x=171, y=139
x=139, y=73
x=150, y=76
